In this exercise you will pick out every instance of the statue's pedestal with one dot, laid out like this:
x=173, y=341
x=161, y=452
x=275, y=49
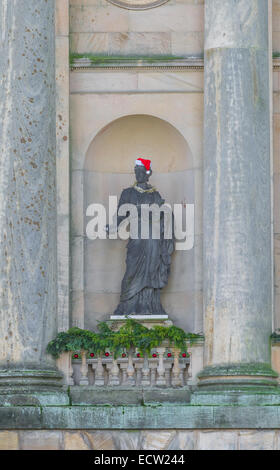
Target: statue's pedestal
x=149, y=321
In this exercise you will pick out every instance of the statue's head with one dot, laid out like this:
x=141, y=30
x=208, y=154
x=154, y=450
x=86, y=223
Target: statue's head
x=142, y=170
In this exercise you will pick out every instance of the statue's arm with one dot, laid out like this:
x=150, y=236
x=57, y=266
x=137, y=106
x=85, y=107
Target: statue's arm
x=159, y=199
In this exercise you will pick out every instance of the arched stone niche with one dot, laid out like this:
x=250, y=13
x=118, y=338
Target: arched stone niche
x=108, y=168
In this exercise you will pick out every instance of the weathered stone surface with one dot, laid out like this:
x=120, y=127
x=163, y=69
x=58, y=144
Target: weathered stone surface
x=187, y=43
x=62, y=17
x=40, y=440
x=127, y=396
x=28, y=190
x=277, y=440
x=166, y=395
x=148, y=43
x=276, y=16
x=101, y=440
x=92, y=43
x=29, y=397
x=20, y=417
x=277, y=310
x=178, y=17
x=257, y=440
x=183, y=440
x=127, y=440
x=160, y=439
x=237, y=215
x=211, y=440
x=174, y=28
x=91, y=19
x=105, y=396
x=140, y=417
x=156, y=441
x=9, y=440
x=75, y=441
x=62, y=161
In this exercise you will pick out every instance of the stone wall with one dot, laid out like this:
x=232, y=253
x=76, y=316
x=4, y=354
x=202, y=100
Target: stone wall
x=276, y=181
x=176, y=28
x=276, y=25
x=141, y=440
x=100, y=28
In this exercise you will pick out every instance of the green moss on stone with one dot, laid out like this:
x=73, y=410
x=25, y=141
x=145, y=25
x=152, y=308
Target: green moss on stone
x=103, y=59
x=257, y=368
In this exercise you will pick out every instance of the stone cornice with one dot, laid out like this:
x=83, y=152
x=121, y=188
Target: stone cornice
x=191, y=63
x=276, y=63
x=138, y=64
x=150, y=416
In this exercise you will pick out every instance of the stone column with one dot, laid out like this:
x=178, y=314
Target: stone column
x=28, y=278
x=237, y=197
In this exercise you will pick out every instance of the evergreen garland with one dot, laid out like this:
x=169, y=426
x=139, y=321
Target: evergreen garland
x=131, y=334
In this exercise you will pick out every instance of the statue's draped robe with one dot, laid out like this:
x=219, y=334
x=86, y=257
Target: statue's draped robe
x=147, y=263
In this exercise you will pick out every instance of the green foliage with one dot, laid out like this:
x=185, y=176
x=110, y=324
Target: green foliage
x=131, y=335
x=276, y=336
x=107, y=59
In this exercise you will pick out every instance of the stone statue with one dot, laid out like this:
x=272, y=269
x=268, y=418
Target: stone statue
x=148, y=260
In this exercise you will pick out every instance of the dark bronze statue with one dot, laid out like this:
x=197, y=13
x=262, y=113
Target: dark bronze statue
x=148, y=260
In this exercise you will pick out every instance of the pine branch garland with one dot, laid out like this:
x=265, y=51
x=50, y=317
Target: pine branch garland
x=131, y=335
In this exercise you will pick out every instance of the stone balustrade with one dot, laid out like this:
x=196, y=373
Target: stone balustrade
x=163, y=367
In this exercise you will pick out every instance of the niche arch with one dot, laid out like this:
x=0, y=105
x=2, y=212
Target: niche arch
x=108, y=168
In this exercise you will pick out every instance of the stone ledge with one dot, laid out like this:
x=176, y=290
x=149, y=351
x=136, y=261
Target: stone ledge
x=160, y=64
x=140, y=417
x=122, y=396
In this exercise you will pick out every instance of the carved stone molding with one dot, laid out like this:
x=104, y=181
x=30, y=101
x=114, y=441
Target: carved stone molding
x=190, y=63
x=136, y=64
x=137, y=4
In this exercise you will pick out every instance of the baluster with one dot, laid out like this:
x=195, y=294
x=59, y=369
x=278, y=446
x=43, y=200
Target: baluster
x=176, y=381
x=186, y=376
x=123, y=367
x=190, y=368
x=99, y=372
x=153, y=367
x=145, y=372
x=138, y=368
x=182, y=370
x=90, y=374
x=114, y=375
x=70, y=377
x=130, y=368
x=84, y=369
x=160, y=369
x=94, y=366
x=107, y=374
x=168, y=375
x=153, y=376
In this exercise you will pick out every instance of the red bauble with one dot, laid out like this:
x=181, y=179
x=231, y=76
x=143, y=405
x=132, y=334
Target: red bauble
x=184, y=355
x=91, y=354
x=76, y=356
x=138, y=355
x=154, y=355
x=169, y=355
x=123, y=355
x=107, y=354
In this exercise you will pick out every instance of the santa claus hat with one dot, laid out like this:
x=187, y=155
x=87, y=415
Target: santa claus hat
x=146, y=163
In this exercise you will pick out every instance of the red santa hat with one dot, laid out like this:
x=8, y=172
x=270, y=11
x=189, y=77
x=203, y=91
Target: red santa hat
x=146, y=163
